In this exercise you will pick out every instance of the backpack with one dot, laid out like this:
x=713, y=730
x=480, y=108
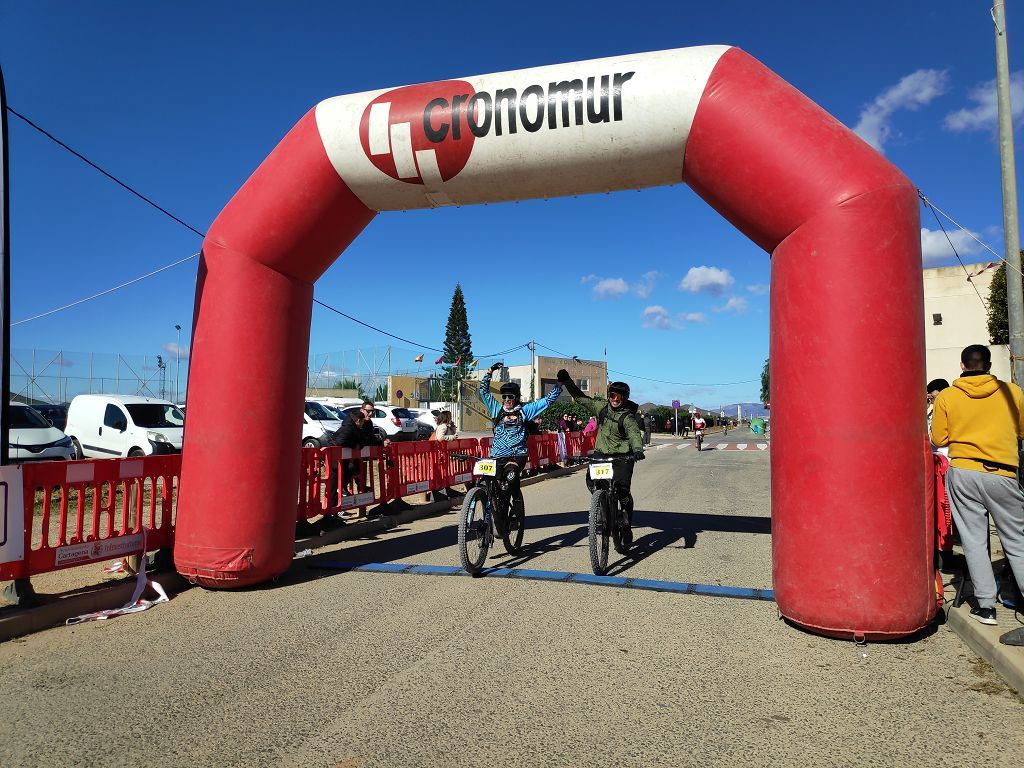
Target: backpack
x=622, y=427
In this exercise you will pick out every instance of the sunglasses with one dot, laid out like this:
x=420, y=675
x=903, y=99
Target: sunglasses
x=508, y=397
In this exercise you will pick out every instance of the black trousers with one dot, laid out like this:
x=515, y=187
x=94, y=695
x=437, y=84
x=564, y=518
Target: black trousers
x=622, y=478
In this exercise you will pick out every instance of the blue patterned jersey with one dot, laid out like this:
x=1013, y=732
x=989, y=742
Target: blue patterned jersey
x=510, y=431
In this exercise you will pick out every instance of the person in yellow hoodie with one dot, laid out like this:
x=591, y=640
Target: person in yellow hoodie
x=981, y=419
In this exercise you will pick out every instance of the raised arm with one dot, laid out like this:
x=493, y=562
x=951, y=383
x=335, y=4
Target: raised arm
x=489, y=401
x=577, y=394
x=537, y=407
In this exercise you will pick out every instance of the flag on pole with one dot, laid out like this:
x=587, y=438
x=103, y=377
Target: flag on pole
x=438, y=361
x=474, y=364
x=418, y=359
x=459, y=361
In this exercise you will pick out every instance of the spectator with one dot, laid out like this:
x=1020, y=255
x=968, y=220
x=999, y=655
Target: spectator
x=935, y=386
x=591, y=427
x=647, y=429
x=981, y=419
x=564, y=424
x=445, y=429
x=348, y=435
x=369, y=434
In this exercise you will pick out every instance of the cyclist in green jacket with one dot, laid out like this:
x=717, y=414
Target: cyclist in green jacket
x=618, y=433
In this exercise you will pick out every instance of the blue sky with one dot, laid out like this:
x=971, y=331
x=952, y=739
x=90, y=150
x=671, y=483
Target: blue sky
x=183, y=100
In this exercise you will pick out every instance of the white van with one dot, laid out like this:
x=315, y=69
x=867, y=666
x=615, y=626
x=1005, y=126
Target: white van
x=104, y=426
x=317, y=424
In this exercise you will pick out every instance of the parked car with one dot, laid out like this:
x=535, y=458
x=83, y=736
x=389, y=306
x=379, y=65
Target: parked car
x=32, y=438
x=426, y=422
x=317, y=424
x=391, y=422
x=103, y=426
x=55, y=414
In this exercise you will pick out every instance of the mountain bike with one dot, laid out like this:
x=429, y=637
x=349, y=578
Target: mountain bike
x=493, y=507
x=607, y=517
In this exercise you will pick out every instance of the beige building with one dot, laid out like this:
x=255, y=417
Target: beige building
x=955, y=317
x=590, y=375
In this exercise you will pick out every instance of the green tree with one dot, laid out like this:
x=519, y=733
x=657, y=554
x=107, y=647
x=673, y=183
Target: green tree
x=458, y=347
x=766, y=390
x=998, y=318
x=351, y=384
x=550, y=417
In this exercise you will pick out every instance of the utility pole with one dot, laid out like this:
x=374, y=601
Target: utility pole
x=177, y=365
x=1011, y=236
x=533, y=368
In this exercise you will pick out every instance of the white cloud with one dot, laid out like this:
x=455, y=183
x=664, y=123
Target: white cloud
x=613, y=287
x=734, y=304
x=911, y=93
x=707, y=280
x=758, y=289
x=646, y=285
x=982, y=116
x=173, y=349
x=935, y=246
x=610, y=287
x=657, y=317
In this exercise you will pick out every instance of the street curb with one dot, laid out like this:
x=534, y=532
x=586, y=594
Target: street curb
x=1007, y=660
x=54, y=610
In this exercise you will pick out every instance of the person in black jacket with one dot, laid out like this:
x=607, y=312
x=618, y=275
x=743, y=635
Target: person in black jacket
x=349, y=435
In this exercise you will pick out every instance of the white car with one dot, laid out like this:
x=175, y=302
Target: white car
x=391, y=422
x=426, y=422
x=104, y=426
x=33, y=438
x=317, y=424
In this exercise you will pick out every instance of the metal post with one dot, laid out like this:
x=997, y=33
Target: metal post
x=1011, y=236
x=177, y=365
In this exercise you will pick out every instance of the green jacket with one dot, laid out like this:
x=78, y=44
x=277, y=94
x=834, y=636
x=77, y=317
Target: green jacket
x=608, y=436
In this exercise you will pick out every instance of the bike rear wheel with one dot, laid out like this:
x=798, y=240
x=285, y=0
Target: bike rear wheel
x=515, y=525
x=622, y=537
x=474, y=531
x=700, y=439
x=599, y=531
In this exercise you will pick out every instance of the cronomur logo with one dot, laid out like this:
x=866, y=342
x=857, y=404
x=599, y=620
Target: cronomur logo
x=394, y=136
x=424, y=134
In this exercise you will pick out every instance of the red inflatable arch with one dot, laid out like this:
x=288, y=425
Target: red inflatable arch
x=851, y=546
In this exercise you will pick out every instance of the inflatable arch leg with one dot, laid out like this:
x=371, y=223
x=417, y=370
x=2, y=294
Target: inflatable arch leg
x=850, y=536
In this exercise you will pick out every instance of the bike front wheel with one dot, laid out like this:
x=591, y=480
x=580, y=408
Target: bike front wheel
x=474, y=531
x=515, y=525
x=600, y=525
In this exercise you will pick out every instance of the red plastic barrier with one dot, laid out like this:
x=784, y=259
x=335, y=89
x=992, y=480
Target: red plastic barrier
x=414, y=468
x=454, y=470
x=543, y=450
x=943, y=513
x=94, y=510
x=318, y=473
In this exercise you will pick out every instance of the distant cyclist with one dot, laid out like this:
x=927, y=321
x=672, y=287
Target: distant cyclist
x=699, y=425
x=510, y=417
x=618, y=433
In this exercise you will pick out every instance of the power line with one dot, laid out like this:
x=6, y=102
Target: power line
x=110, y=176
x=950, y=241
x=928, y=203
x=104, y=293
x=409, y=341
x=645, y=378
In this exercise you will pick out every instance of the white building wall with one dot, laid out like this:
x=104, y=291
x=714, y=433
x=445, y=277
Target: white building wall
x=964, y=321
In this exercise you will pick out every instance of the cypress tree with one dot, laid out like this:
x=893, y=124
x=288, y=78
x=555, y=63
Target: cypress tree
x=998, y=319
x=457, y=343
x=766, y=391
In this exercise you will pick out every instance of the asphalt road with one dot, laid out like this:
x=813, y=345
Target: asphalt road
x=331, y=668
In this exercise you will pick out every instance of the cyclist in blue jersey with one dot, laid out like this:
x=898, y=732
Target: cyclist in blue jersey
x=510, y=416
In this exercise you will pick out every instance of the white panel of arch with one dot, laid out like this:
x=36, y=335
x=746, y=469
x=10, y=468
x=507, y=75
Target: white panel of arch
x=591, y=126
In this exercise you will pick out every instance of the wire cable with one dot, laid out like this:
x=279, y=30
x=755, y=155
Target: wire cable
x=110, y=176
x=104, y=293
x=645, y=378
x=410, y=341
x=950, y=241
x=964, y=229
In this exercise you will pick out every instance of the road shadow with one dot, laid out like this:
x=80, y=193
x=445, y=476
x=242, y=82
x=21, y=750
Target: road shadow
x=671, y=528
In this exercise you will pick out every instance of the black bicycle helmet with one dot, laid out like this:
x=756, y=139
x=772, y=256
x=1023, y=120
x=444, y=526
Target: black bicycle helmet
x=621, y=387
x=511, y=388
